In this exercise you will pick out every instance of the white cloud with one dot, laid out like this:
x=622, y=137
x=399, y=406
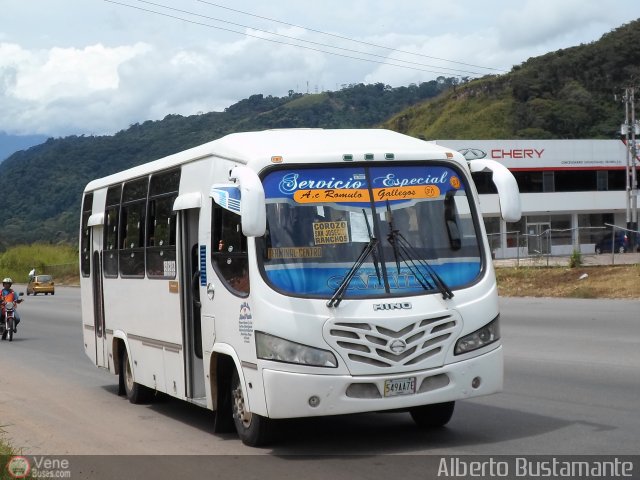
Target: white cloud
x=69, y=72
x=116, y=65
x=543, y=23
x=37, y=84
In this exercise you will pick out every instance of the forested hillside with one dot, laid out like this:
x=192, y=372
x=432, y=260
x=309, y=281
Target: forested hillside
x=565, y=94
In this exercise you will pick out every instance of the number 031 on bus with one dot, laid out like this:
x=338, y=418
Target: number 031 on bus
x=296, y=273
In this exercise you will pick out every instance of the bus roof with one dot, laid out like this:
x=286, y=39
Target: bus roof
x=257, y=149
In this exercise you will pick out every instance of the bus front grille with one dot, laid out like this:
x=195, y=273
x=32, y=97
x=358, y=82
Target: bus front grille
x=411, y=344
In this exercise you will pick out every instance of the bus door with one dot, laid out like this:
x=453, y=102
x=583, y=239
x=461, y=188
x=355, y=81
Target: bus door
x=102, y=355
x=188, y=220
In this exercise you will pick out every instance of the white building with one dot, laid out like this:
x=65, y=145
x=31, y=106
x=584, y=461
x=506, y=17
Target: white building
x=569, y=190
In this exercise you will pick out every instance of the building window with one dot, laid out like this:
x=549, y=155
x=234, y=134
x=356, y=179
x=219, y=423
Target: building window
x=616, y=180
x=561, y=229
x=602, y=180
x=564, y=181
x=591, y=226
x=484, y=182
x=529, y=182
x=547, y=182
x=492, y=227
x=576, y=181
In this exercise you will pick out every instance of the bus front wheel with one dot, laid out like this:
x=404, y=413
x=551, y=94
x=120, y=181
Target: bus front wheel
x=135, y=392
x=432, y=416
x=252, y=429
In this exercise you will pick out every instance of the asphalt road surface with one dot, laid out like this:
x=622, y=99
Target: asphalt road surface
x=572, y=386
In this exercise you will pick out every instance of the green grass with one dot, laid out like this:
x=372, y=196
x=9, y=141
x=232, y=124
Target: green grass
x=306, y=101
x=583, y=292
x=6, y=452
x=5, y=449
x=479, y=110
x=58, y=260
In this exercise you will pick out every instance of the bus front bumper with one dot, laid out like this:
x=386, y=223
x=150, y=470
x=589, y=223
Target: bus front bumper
x=291, y=395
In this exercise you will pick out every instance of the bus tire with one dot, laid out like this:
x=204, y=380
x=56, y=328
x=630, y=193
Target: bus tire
x=253, y=429
x=121, y=390
x=135, y=392
x=432, y=416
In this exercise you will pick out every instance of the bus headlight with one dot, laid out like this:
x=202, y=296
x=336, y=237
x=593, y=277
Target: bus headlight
x=278, y=349
x=480, y=338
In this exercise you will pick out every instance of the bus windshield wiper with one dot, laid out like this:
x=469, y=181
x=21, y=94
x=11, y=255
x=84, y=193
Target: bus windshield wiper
x=374, y=251
x=404, y=251
x=369, y=249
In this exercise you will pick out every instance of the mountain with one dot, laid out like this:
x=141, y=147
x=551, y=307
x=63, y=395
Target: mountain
x=46, y=195
x=569, y=94
x=12, y=143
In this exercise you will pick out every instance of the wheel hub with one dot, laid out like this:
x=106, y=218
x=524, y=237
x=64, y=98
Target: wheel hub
x=239, y=411
x=128, y=377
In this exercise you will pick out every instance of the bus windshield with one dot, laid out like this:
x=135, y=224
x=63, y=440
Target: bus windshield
x=369, y=231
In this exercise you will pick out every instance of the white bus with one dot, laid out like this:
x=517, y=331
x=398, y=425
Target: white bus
x=294, y=273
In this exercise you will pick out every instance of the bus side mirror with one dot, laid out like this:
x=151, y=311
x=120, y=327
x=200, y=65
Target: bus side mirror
x=506, y=185
x=253, y=210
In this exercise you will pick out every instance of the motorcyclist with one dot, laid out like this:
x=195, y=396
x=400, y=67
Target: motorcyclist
x=9, y=295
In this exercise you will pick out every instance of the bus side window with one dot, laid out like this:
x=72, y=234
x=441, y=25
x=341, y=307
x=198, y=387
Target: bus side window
x=229, y=250
x=161, y=225
x=85, y=259
x=132, y=227
x=110, y=244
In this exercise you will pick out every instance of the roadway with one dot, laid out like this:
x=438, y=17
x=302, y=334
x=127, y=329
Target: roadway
x=571, y=387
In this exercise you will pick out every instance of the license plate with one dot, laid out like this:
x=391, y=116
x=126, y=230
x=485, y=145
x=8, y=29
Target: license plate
x=400, y=386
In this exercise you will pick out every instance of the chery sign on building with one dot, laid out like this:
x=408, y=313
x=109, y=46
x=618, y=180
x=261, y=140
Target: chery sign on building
x=544, y=154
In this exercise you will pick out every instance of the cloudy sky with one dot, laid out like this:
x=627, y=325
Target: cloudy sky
x=72, y=67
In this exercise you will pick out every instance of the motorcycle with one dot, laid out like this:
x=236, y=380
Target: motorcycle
x=8, y=320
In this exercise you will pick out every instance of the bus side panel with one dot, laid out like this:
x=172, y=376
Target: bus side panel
x=148, y=311
x=174, y=372
x=147, y=364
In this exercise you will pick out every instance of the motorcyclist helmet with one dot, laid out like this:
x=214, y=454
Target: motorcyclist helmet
x=7, y=282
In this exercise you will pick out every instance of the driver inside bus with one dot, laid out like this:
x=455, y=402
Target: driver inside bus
x=9, y=295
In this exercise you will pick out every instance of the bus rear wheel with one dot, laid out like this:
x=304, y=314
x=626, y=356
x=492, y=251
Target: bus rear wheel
x=135, y=392
x=433, y=416
x=253, y=429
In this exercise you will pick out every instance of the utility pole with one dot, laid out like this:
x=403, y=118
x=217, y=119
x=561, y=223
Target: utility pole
x=629, y=130
x=634, y=172
x=627, y=170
